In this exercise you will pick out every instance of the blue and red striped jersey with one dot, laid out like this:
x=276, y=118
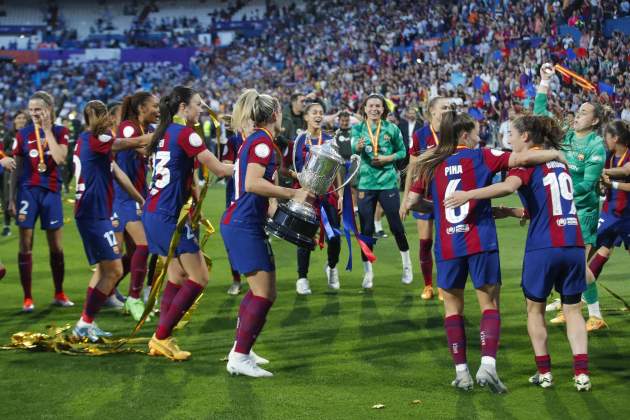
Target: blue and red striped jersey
x=617, y=202
x=131, y=162
x=93, y=173
x=302, y=146
x=468, y=229
x=229, y=153
x=423, y=139
x=173, y=166
x=547, y=195
x=25, y=146
x=249, y=208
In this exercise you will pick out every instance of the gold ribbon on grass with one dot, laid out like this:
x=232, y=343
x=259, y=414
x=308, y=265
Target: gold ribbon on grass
x=58, y=340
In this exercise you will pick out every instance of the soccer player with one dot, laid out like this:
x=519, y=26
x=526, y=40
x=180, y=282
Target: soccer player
x=174, y=148
x=229, y=155
x=554, y=252
x=94, y=174
x=614, y=219
x=313, y=115
x=379, y=144
x=39, y=149
x=242, y=224
x=139, y=111
x=586, y=155
x=466, y=237
x=424, y=139
x=6, y=164
x=20, y=119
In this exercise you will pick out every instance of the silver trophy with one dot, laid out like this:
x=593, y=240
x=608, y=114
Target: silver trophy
x=298, y=222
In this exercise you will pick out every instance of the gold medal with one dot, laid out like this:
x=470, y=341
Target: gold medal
x=374, y=138
x=41, y=167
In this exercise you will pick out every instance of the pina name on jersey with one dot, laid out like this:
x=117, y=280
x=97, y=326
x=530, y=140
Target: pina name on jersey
x=453, y=170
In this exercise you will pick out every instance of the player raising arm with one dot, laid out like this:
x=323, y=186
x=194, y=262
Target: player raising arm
x=585, y=152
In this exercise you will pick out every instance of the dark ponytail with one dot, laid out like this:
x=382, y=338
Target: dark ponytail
x=169, y=105
x=621, y=130
x=542, y=131
x=452, y=126
x=131, y=106
x=602, y=113
x=97, y=118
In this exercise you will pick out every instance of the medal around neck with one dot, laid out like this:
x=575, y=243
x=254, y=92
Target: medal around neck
x=298, y=222
x=41, y=167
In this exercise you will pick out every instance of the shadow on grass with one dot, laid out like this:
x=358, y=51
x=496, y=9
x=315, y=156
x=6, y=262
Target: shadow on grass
x=299, y=313
x=225, y=316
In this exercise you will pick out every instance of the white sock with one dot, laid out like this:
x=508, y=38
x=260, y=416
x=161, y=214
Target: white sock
x=82, y=323
x=378, y=225
x=367, y=266
x=462, y=367
x=593, y=310
x=489, y=361
x=406, y=259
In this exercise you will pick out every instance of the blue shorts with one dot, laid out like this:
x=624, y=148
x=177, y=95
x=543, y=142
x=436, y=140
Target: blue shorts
x=124, y=212
x=612, y=231
x=422, y=216
x=34, y=202
x=484, y=269
x=248, y=248
x=160, y=228
x=99, y=239
x=564, y=268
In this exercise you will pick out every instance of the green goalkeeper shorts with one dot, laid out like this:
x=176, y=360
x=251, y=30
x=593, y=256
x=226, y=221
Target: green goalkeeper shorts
x=588, y=222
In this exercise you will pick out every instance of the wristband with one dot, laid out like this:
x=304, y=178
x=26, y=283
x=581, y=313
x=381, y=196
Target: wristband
x=615, y=185
x=545, y=83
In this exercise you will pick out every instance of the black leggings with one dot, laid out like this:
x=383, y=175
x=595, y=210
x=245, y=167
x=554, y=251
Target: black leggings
x=334, y=245
x=390, y=201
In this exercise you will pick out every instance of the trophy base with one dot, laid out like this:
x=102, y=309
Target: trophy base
x=294, y=223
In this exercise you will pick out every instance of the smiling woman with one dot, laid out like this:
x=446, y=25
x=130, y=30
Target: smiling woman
x=380, y=144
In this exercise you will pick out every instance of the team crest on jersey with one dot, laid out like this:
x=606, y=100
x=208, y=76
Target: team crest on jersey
x=361, y=195
x=21, y=217
x=33, y=153
x=115, y=223
x=116, y=249
x=580, y=156
x=386, y=137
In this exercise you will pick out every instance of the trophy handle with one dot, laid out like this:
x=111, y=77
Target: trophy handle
x=355, y=159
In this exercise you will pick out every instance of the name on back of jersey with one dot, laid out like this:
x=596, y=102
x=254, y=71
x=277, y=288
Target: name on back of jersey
x=453, y=170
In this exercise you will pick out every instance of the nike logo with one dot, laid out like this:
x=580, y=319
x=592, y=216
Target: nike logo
x=52, y=222
x=32, y=141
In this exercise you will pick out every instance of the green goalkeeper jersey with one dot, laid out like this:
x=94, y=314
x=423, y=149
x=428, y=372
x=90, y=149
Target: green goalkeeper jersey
x=389, y=142
x=586, y=156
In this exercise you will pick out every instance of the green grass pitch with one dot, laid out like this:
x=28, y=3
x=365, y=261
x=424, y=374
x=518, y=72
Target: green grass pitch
x=334, y=355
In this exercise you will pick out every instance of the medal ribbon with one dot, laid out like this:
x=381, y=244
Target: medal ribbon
x=40, y=147
x=374, y=139
x=435, y=137
x=620, y=161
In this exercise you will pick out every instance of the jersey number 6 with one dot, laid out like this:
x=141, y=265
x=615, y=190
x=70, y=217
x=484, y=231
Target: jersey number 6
x=458, y=214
